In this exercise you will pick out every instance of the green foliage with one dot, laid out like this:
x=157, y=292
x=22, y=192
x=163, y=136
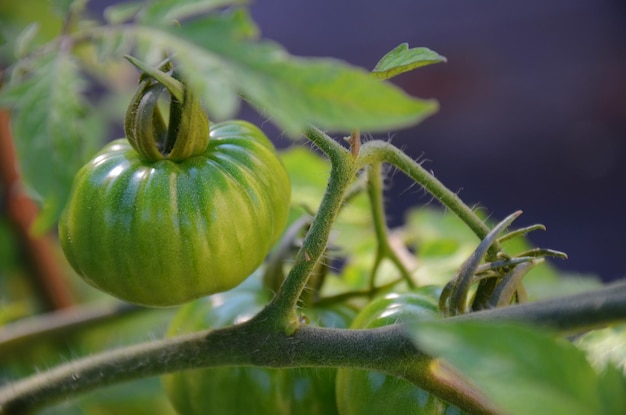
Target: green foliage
x=55, y=132
x=524, y=370
x=65, y=8
x=403, y=59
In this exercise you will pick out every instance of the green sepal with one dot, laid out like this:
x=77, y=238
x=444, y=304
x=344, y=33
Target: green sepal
x=192, y=132
x=187, y=134
x=144, y=125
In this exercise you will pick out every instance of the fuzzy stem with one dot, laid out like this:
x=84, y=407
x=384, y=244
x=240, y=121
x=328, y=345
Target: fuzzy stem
x=383, y=250
x=379, y=151
x=281, y=312
x=387, y=349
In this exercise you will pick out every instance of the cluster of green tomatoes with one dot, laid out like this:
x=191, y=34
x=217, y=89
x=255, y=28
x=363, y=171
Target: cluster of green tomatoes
x=181, y=212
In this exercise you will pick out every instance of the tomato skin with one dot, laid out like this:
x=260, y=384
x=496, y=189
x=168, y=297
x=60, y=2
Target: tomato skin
x=163, y=233
x=249, y=390
x=362, y=392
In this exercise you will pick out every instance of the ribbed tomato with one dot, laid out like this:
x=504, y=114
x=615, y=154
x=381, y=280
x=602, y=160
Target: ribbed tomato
x=160, y=233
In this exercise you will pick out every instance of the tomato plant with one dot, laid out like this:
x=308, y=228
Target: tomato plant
x=458, y=313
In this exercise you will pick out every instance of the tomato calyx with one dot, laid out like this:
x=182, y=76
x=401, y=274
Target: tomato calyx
x=187, y=133
x=499, y=279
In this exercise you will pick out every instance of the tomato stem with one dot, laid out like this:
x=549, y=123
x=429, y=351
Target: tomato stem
x=383, y=248
x=379, y=151
x=281, y=312
x=387, y=349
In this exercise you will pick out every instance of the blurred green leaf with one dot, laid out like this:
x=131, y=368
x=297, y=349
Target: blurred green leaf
x=64, y=7
x=308, y=173
x=122, y=12
x=612, y=387
x=16, y=16
x=441, y=242
x=546, y=281
x=25, y=40
x=428, y=225
x=522, y=370
x=403, y=59
x=113, y=46
x=166, y=11
x=220, y=58
x=53, y=129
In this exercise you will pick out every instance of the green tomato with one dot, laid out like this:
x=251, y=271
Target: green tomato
x=250, y=390
x=160, y=233
x=362, y=392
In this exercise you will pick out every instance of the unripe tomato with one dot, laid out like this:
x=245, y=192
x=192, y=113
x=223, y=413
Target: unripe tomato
x=160, y=233
x=362, y=392
x=250, y=390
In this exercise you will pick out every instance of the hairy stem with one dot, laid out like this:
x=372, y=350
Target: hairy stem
x=383, y=250
x=379, y=151
x=386, y=349
x=281, y=312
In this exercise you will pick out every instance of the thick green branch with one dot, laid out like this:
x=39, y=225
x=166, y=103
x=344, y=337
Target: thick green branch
x=386, y=349
x=379, y=151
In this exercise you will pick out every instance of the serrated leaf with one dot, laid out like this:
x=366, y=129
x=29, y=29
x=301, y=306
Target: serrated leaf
x=220, y=59
x=166, y=11
x=297, y=92
x=521, y=370
x=403, y=59
x=53, y=134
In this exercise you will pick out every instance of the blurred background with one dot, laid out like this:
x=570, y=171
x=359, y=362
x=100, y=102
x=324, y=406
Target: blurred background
x=533, y=106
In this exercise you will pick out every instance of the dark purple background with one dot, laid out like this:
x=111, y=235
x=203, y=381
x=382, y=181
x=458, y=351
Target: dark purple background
x=533, y=105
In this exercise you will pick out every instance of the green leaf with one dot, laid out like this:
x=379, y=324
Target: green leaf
x=64, y=7
x=308, y=174
x=403, y=59
x=120, y=13
x=166, y=11
x=221, y=58
x=612, y=388
x=522, y=370
x=24, y=44
x=113, y=45
x=52, y=131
